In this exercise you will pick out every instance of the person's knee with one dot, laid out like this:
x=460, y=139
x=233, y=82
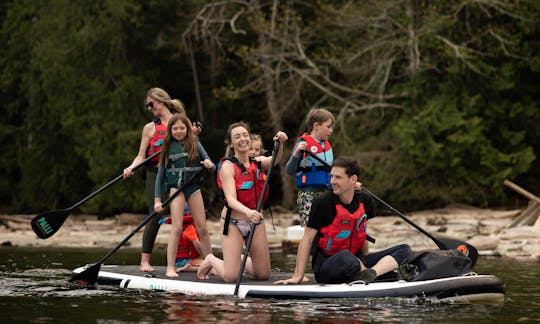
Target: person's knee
x=203, y=232
x=345, y=257
x=402, y=252
x=177, y=230
x=262, y=274
x=338, y=268
x=230, y=277
x=405, y=248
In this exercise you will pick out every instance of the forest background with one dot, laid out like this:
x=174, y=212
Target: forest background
x=438, y=100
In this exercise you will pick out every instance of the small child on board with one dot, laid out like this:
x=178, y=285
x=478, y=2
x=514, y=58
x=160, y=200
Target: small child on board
x=180, y=158
x=188, y=256
x=256, y=148
x=312, y=177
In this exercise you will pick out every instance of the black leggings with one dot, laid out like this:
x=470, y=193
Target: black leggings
x=152, y=227
x=342, y=266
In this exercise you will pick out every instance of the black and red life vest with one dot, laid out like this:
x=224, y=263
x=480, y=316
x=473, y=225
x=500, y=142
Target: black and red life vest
x=346, y=232
x=156, y=142
x=249, y=185
x=310, y=171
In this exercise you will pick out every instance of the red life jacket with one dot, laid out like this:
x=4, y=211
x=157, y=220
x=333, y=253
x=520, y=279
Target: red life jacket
x=346, y=232
x=156, y=143
x=186, y=249
x=310, y=171
x=249, y=185
x=314, y=146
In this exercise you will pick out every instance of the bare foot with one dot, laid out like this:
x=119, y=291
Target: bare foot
x=146, y=267
x=145, y=263
x=171, y=273
x=205, y=268
x=184, y=268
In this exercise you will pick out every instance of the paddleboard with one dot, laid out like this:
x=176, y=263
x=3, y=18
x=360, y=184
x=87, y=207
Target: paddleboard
x=470, y=288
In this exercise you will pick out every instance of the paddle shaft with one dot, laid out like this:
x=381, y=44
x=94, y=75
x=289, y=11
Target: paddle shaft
x=47, y=224
x=440, y=244
x=147, y=219
x=93, y=270
x=113, y=181
x=253, y=226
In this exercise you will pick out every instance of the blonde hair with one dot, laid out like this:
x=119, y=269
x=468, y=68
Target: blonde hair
x=318, y=115
x=174, y=105
x=190, y=145
x=258, y=138
x=229, y=151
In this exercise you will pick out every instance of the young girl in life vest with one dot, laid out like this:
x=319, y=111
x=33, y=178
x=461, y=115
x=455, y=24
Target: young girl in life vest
x=242, y=180
x=181, y=157
x=256, y=148
x=312, y=177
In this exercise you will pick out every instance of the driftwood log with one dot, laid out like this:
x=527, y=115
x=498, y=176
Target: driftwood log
x=530, y=216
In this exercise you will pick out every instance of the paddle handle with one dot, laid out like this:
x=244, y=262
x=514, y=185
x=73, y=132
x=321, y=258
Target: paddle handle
x=253, y=226
x=113, y=181
x=268, y=173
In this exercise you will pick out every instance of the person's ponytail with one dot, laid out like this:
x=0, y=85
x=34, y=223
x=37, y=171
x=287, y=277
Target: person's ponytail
x=176, y=106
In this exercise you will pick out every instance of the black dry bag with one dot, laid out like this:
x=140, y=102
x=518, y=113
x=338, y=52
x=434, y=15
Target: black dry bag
x=434, y=265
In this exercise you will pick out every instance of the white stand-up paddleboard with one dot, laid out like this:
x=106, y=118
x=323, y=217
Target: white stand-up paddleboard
x=470, y=288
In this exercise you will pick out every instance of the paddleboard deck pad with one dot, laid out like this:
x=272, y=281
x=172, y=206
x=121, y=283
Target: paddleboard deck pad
x=471, y=288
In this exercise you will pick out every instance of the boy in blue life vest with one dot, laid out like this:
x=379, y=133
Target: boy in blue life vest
x=312, y=177
x=336, y=230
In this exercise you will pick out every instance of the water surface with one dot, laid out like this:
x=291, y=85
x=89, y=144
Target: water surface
x=34, y=288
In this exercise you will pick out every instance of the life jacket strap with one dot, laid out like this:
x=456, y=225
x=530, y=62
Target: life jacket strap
x=310, y=169
x=184, y=169
x=174, y=157
x=227, y=219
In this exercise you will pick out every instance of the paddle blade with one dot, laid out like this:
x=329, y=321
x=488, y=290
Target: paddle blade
x=46, y=224
x=465, y=248
x=88, y=276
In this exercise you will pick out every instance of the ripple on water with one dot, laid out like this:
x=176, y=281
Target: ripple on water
x=45, y=283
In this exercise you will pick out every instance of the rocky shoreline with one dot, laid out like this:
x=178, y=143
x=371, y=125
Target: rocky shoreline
x=492, y=232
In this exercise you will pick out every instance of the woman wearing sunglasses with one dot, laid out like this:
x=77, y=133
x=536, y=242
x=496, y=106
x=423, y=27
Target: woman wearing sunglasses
x=159, y=102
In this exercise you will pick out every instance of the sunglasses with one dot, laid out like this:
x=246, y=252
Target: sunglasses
x=150, y=105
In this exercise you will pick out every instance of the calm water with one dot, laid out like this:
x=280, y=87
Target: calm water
x=34, y=288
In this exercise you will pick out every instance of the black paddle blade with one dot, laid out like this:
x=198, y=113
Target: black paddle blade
x=88, y=276
x=46, y=224
x=465, y=248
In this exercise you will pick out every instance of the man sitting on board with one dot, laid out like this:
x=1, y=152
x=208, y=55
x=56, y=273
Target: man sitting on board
x=337, y=231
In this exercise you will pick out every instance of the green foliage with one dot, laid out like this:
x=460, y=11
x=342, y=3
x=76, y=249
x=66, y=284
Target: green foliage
x=472, y=126
x=73, y=75
x=454, y=145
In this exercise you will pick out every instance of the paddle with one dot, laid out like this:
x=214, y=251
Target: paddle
x=89, y=275
x=443, y=243
x=47, y=224
x=252, y=226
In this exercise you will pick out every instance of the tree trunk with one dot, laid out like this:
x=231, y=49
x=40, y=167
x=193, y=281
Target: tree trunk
x=414, y=53
x=272, y=100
